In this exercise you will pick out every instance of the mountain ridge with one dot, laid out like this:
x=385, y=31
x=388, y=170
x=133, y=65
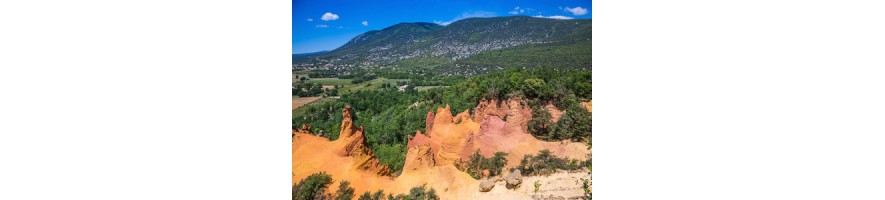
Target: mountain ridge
x=423, y=47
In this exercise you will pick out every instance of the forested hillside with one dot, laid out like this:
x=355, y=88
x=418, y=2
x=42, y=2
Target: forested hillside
x=467, y=47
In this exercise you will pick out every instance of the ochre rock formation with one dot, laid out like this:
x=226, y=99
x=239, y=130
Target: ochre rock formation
x=454, y=139
x=432, y=156
x=347, y=156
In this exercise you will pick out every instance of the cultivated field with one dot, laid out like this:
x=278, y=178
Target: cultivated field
x=300, y=101
x=330, y=81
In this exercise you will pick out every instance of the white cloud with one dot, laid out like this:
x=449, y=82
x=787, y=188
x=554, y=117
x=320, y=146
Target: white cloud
x=322, y=26
x=553, y=17
x=365, y=23
x=310, y=19
x=442, y=22
x=466, y=15
x=576, y=11
x=329, y=17
x=517, y=10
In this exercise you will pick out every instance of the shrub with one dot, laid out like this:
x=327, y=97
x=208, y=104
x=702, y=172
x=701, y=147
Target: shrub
x=421, y=193
x=345, y=192
x=476, y=164
x=311, y=188
x=545, y=163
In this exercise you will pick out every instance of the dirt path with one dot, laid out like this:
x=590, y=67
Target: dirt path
x=300, y=101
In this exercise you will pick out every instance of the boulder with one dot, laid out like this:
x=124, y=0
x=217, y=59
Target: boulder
x=514, y=179
x=486, y=186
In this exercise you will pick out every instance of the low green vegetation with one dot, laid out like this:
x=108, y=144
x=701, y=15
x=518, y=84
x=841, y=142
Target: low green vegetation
x=345, y=192
x=330, y=81
x=315, y=187
x=537, y=185
x=545, y=164
x=479, y=167
x=585, y=184
x=378, y=195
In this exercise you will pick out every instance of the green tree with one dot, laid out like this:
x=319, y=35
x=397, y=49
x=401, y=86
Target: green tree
x=312, y=187
x=540, y=125
x=534, y=87
x=498, y=162
x=345, y=192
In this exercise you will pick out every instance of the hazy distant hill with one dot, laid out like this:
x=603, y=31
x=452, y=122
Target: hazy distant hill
x=298, y=55
x=466, y=47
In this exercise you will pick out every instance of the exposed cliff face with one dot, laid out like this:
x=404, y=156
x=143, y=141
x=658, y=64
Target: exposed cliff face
x=452, y=140
x=420, y=154
x=515, y=110
x=349, y=158
x=349, y=151
x=431, y=157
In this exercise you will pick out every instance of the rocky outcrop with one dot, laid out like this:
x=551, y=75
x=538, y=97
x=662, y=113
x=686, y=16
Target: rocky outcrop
x=428, y=122
x=453, y=139
x=347, y=127
x=355, y=146
x=449, y=136
x=515, y=111
x=514, y=179
x=486, y=185
x=420, y=154
x=351, y=144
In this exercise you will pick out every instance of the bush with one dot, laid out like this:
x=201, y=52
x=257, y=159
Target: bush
x=379, y=195
x=345, y=192
x=421, y=193
x=476, y=164
x=545, y=163
x=312, y=188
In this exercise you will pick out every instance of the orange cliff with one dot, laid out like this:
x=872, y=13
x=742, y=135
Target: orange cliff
x=431, y=158
x=453, y=140
x=347, y=158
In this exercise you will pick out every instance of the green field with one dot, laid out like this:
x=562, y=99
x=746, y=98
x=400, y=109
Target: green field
x=330, y=81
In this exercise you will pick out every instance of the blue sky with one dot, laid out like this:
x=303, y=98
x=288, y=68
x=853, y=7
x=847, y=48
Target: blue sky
x=319, y=25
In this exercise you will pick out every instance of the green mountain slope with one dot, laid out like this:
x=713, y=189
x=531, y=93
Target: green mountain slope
x=466, y=47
